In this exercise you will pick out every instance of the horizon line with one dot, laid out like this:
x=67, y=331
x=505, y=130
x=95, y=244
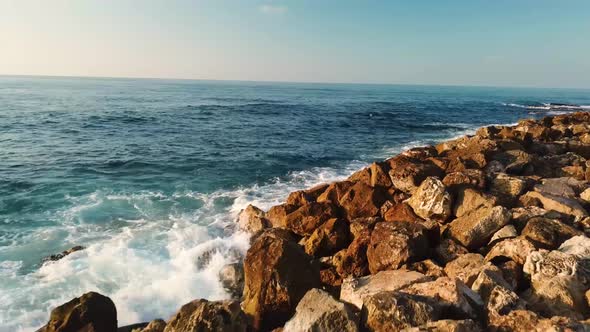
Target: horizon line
x=42, y=76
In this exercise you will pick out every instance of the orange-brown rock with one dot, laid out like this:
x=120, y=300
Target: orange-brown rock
x=362, y=200
x=401, y=212
x=302, y=197
x=407, y=173
x=328, y=238
x=89, y=312
x=308, y=217
x=335, y=191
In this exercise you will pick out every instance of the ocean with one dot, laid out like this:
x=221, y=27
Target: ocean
x=150, y=174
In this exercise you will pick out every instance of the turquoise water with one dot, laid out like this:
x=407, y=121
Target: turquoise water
x=150, y=174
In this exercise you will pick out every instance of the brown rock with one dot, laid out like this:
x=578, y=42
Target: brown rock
x=362, y=200
x=447, y=325
x=353, y=260
x=558, y=203
x=329, y=238
x=392, y=311
x=379, y=175
x=407, y=173
x=302, y=197
x=335, y=191
x=89, y=312
x=506, y=232
x=308, y=218
x=469, y=178
x=470, y=199
x=271, y=289
x=512, y=273
x=156, y=325
x=354, y=291
x=507, y=188
x=203, y=315
x=428, y=267
x=475, y=228
x=56, y=257
x=528, y=321
x=448, y=250
x=232, y=279
x=548, y=233
x=252, y=220
x=515, y=249
x=401, y=212
x=277, y=215
x=466, y=268
x=394, y=244
x=431, y=200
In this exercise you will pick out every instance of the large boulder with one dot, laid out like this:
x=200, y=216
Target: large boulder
x=271, y=289
x=475, y=228
x=466, y=267
x=302, y=197
x=203, y=315
x=407, y=173
x=252, y=219
x=355, y=290
x=394, y=244
x=470, y=199
x=327, y=239
x=507, y=188
x=548, y=233
x=335, y=191
x=528, y=321
x=559, y=278
x=515, y=249
x=89, y=312
x=318, y=311
x=451, y=294
x=558, y=203
x=448, y=250
x=393, y=311
x=400, y=212
x=362, y=200
x=352, y=261
x=431, y=200
x=307, y=218
x=469, y=178
x=232, y=278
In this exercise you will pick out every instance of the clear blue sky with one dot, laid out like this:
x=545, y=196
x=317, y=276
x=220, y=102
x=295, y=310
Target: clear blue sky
x=467, y=42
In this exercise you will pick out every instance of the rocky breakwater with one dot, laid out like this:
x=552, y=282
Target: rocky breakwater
x=484, y=232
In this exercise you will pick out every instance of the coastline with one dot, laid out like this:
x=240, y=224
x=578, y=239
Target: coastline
x=423, y=236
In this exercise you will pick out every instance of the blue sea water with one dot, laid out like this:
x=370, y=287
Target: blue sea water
x=149, y=175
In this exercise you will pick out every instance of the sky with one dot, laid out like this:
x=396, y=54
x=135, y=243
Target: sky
x=543, y=43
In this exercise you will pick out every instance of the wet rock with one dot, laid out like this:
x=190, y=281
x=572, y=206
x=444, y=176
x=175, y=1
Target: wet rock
x=318, y=311
x=548, y=233
x=355, y=290
x=515, y=249
x=448, y=250
x=431, y=200
x=271, y=289
x=394, y=244
x=452, y=295
x=56, y=257
x=362, y=200
x=475, y=228
x=203, y=315
x=89, y=312
x=470, y=199
x=232, y=279
x=329, y=238
x=558, y=203
x=252, y=220
x=392, y=311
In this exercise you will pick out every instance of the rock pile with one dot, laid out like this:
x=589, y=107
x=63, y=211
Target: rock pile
x=484, y=232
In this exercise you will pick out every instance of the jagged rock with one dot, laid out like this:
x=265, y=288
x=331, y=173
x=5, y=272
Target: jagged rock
x=203, y=315
x=447, y=325
x=354, y=291
x=232, y=278
x=379, y=175
x=335, y=191
x=496, y=293
x=302, y=197
x=327, y=239
x=448, y=250
x=252, y=220
x=407, y=173
x=307, y=218
x=514, y=161
x=392, y=311
x=156, y=325
x=507, y=188
x=277, y=214
x=318, y=311
x=470, y=199
x=466, y=267
x=56, y=257
x=469, y=178
x=512, y=273
x=515, y=249
x=559, y=278
x=362, y=200
x=401, y=212
x=548, y=233
x=271, y=289
x=428, y=267
x=475, y=228
x=431, y=200
x=394, y=244
x=352, y=261
x=560, y=204
x=527, y=321
x=451, y=294
x=567, y=187
x=89, y=312
x=505, y=232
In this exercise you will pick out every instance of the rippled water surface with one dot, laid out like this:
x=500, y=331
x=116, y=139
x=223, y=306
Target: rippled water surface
x=150, y=174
